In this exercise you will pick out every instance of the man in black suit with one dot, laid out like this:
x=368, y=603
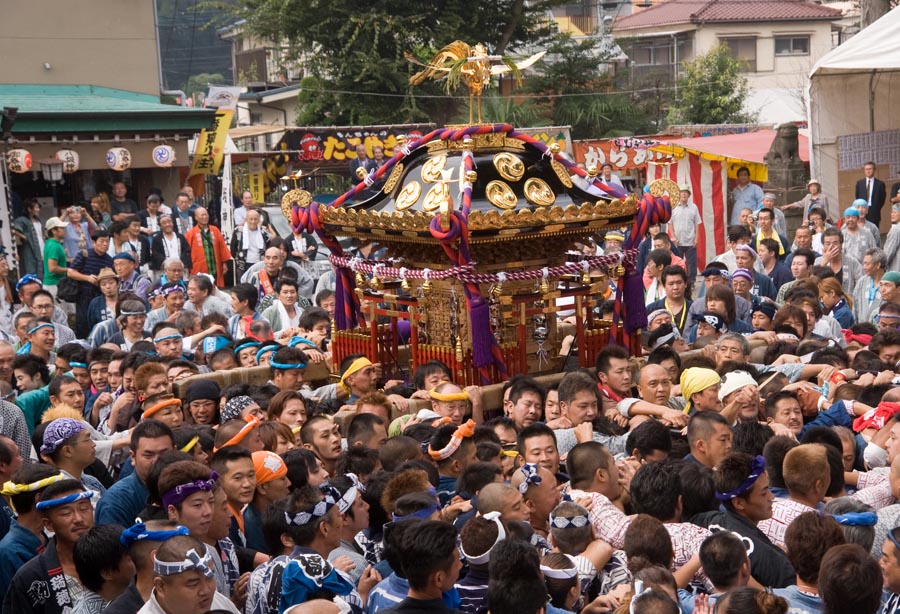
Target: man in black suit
x=873, y=191
x=895, y=191
x=362, y=160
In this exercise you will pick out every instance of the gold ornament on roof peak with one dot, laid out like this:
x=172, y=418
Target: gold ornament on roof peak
x=471, y=65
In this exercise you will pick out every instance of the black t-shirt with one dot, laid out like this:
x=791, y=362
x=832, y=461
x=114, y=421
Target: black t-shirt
x=894, y=189
x=126, y=206
x=417, y=606
x=128, y=602
x=768, y=563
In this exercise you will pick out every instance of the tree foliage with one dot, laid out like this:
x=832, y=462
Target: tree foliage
x=712, y=90
x=349, y=47
x=572, y=88
x=200, y=83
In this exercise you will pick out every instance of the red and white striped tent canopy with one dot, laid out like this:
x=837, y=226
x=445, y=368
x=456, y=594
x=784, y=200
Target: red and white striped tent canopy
x=706, y=164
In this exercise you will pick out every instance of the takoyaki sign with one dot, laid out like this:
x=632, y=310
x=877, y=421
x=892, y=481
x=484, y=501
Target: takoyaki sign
x=336, y=146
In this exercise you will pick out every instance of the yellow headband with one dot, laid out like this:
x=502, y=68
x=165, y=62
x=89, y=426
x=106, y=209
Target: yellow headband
x=449, y=396
x=190, y=445
x=357, y=365
x=10, y=489
x=512, y=453
x=696, y=379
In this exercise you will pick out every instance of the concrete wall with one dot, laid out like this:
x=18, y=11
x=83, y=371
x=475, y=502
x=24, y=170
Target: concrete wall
x=109, y=43
x=772, y=71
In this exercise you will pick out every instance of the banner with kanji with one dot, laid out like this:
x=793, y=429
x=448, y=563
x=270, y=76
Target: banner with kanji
x=625, y=154
x=210, y=146
x=315, y=146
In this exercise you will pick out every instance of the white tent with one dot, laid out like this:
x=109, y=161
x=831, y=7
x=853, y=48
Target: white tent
x=854, y=89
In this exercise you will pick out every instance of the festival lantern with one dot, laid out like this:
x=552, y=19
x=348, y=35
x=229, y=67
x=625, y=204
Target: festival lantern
x=70, y=159
x=18, y=160
x=118, y=158
x=163, y=156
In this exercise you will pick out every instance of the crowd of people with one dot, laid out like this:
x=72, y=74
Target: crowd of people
x=747, y=463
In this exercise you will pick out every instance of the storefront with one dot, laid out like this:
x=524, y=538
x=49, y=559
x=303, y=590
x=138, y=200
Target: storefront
x=67, y=143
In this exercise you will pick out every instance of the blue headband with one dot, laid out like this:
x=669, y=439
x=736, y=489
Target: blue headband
x=532, y=477
x=192, y=562
x=38, y=327
x=569, y=522
x=244, y=346
x=51, y=503
x=139, y=532
x=286, y=367
x=423, y=514
x=78, y=365
x=857, y=519
x=298, y=340
x=28, y=279
x=166, y=338
x=300, y=519
x=265, y=349
x=757, y=468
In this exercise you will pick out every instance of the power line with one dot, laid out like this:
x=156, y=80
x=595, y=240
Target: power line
x=513, y=96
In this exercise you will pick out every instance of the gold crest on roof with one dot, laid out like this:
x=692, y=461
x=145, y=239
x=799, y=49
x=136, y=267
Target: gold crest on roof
x=471, y=65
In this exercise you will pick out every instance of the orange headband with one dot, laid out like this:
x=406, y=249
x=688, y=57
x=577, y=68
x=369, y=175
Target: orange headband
x=159, y=406
x=252, y=423
x=464, y=431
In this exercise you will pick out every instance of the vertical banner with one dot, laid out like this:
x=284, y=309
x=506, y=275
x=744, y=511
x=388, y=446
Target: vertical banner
x=256, y=183
x=226, y=204
x=210, y=149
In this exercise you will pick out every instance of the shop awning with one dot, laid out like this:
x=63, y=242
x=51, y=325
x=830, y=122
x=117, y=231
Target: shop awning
x=61, y=109
x=243, y=132
x=736, y=150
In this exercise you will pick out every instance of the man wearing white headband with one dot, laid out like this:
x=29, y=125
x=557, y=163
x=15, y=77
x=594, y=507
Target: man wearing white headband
x=183, y=580
x=354, y=513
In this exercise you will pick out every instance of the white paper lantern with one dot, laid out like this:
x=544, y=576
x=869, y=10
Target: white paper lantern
x=18, y=160
x=70, y=159
x=118, y=158
x=163, y=156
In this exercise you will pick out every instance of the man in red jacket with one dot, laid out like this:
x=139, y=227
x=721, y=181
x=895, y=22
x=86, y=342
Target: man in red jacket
x=209, y=252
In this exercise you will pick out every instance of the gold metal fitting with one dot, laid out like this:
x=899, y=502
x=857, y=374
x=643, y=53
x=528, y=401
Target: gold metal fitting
x=360, y=279
x=459, y=351
x=592, y=171
x=375, y=284
x=404, y=284
x=426, y=287
x=555, y=148
x=586, y=278
x=468, y=143
x=545, y=286
x=471, y=176
x=361, y=172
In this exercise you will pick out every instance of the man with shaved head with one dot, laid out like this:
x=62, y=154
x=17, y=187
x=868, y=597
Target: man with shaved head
x=209, y=251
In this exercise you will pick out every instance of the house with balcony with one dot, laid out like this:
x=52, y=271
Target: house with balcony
x=271, y=74
x=778, y=42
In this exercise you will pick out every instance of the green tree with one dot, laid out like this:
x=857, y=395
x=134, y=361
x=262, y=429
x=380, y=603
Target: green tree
x=350, y=47
x=571, y=88
x=711, y=91
x=200, y=83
